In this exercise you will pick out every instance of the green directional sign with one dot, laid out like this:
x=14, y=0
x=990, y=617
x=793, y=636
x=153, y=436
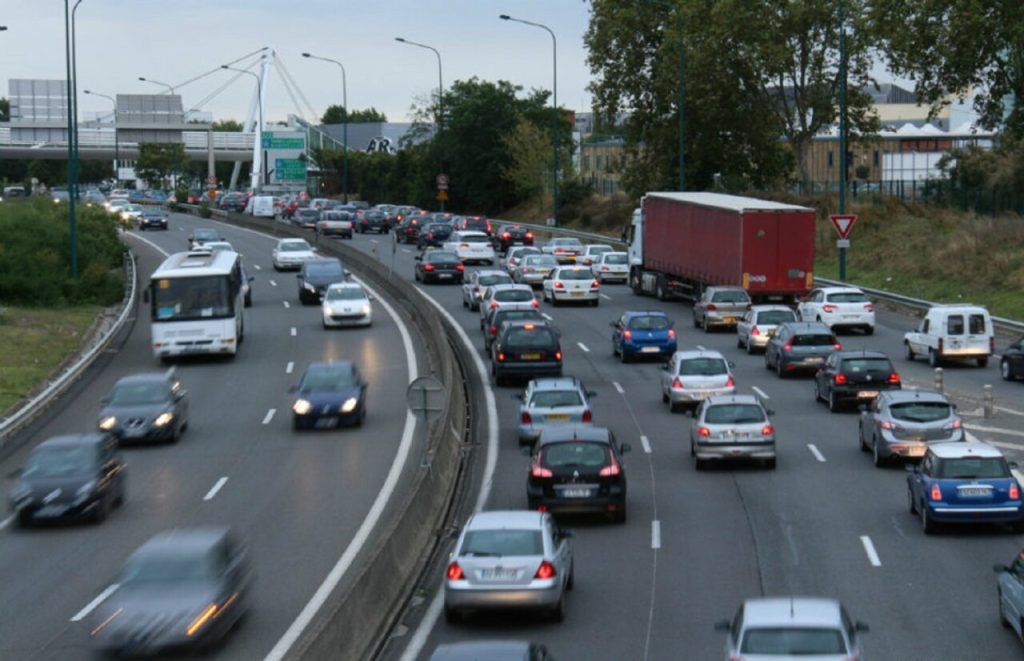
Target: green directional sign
x=289, y=169
x=271, y=141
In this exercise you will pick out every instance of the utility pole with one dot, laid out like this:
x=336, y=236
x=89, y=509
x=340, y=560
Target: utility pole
x=842, y=129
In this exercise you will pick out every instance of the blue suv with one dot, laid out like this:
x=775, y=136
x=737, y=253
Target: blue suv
x=643, y=333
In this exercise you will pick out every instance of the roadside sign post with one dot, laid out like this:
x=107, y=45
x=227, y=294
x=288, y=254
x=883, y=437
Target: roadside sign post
x=426, y=398
x=843, y=223
x=442, y=189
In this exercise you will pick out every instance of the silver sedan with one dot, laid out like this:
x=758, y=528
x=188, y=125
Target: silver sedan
x=690, y=377
x=758, y=324
x=899, y=424
x=732, y=427
x=534, y=269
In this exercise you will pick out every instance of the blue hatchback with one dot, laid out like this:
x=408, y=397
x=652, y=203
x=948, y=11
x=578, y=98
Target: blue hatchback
x=643, y=333
x=329, y=395
x=964, y=482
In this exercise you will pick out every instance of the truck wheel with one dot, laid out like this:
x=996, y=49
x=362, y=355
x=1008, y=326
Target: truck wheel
x=659, y=291
x=634, y=282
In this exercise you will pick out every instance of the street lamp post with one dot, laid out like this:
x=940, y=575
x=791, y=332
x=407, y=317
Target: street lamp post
x=259, y=132
x=554, y=111
x=117, y=143
x=72, y=165
x=440, y=89
x=842, y=129
x=344, y=101
x=156, y=82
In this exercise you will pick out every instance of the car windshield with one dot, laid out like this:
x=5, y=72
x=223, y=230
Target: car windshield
x=128, y=394
x=575, y=274
x=512, y=295
x=812, y=340
x=597, y=250
x=969, y=468
x=307, y=213
x=730, y=296
x=721, y=414
x=327, y=379
x=555, y=398
x=540, y=260
x=481, y=238
x=440, y=256
x=168, y=569
x=345, y=294
x=574, y=454
x=535, y=338
x=58, y=461
x=703, y=367
x=496, y=279
x=775, y=317
x=294, y=246
x=502, y=543
x=617, y=258
x=566, y=243
x=847, y=297
x=516, y=315
x=323, y=269
x=653, y=322
x=920, y=411
x=867, y=366
x=337, y=215
x=439, y=228
x=793, y=642
x=206, y=235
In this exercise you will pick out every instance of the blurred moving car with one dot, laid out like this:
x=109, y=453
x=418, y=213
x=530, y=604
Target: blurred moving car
x=854, y=376
x=492, y=650
x=643, y=333
x=551, y=402
x=732, y=427
x=346, y=304
x=838, y=308
x=330, y=394
x=183, y=590
x=146, y=407
x=901, y=423
x=438, y=266
x=77, y=476
x=315, y=275
x=690, y=377
x=509, y=560
x=720, y=306
x=291, y=254
x=1010, y=587
x=758, y=325
x=610, y=266
x=799, y=346
x=572, y=284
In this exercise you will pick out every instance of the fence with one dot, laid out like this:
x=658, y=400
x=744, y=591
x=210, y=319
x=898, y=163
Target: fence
x=938, y=192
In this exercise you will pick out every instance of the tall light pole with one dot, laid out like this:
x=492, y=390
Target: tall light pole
x=842, y=129
x=344, y=102
x=72, y=165
x=259, y=131
x=74, y=92
x=117, y=149
x=156, y=82
x=440, y=91
x=554, y=111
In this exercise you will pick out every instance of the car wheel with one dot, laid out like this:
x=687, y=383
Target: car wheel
x=1005, y=371
x=933, y=358
x=558, y=612
x=248, y=300
x=620, y=515
x=465, y=303
x=739, y=341
x=767, y=364
x=673, y=407
x=908, y=353
x=833, y=402
x=860, y=441
x=24, y=520
x=911, y=503
x=778, y=367
x=696, y=321
x=624, y=356
x=704, y=325
x=416, y=276
x=699, y=464
x=102, y=510
x=1002, y=616
x=983, y=362
x=597, y=302
x=877, y=458
x=664, y=396
x=659, y=291
x=571, y=583
x=927, y=525
x=693, y=450
x=817, y=392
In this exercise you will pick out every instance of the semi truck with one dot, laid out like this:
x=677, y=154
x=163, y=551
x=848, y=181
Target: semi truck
x=680, y=243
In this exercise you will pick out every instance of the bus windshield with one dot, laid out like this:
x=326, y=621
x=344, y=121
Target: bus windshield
x=184, y=299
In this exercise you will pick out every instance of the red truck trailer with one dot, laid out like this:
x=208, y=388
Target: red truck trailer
x=682, y=242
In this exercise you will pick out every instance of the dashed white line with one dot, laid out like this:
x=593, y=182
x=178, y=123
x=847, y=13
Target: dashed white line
x=605, y=297
x=583, y=346
x=816, y=452
x=700, y=348
x=646, y=443
x=270, y=414
x=91, y=606
x=869, y=548
x=618, y=387
x=760, y=392
x=547, y=316
x=215, y=488
x=272, y=283
x=257, y=267
x=287, y=304
x=407, y=251
x=655, y=534
x=294, y=332
x=6, y=522
x=289, y=368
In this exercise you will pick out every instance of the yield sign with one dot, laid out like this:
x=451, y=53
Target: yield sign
x=843, y=224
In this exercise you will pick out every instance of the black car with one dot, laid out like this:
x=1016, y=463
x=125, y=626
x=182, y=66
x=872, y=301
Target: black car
x=316, y=275
x=476, y=223
x=498, y=316
x=329, y=395
x=854, y=376
x=182, y=590
x=306, y=217
x=512, y=235
x=1011, y=365
x=439, y=266
x=234, y=202
x=373, y=220
x=408, y=229
x=525, y=349
x=578, y=469
x=145, y=407
x=78, y=476
x=153, y=218
x=799, y=346
x=433, y=234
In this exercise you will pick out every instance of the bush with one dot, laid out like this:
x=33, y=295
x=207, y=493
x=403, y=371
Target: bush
x=204, y=209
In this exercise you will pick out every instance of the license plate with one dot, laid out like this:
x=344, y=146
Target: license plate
x=867, y=394
x=650, y=350
x=324, y=423
x=51, y=510
x=916, y=451
x=730, y=320
x=974, y=491
x=702, y=394
x=578, y=293
x=499, y=574
x=530, y=356
x=814, y=361
x=576, y=493
x=558, y=417
x=444, y=276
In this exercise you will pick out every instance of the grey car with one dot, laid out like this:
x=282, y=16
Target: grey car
x=690, y=377
x=899, y=424
x=479, y=280
x=497, y=296
x=758, y=325
x=518, y=559
x=492, y=650
x=1011, y=595
x=180, y=591
x=534, y=270
x=720, y=306
x=800, y=346
x=552, y=401
x=732, y=427
x=515, y=256
x=146, y=407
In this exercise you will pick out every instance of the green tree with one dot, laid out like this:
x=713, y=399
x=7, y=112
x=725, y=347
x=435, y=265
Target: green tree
x=5, y=110
x=158, y=161
x=232, y=125
x=529, y=166
x=335, y=114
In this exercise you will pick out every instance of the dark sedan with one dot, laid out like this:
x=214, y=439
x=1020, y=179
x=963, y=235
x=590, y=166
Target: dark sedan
x=433, y=234
x=75, y=476
x=316, y=275
x=408, y=229
x=372, y=220
x=439, y=266
x=1011, y=366
x=146, y=407
x=329, y=395
x=512, y=235
x=306, y=218
x=153, y=218
x=799, y=346
x=854, y=376
x=234, y=202
x=181, y=591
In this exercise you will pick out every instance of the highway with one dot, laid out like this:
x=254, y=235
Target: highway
x=826, y=522
x=298, y=498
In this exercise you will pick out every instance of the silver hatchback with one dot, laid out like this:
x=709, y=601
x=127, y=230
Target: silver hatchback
x=552, y=401
x=899, y=424
x=758, y=324
x=720, y=306
x=690, y=377
x=732, y=427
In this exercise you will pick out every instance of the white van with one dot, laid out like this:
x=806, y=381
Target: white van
x=952, y=332
x=263, y=206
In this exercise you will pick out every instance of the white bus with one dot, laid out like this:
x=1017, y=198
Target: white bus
x=196, y=303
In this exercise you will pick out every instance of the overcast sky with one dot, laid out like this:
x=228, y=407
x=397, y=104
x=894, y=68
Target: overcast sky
x=174, y=41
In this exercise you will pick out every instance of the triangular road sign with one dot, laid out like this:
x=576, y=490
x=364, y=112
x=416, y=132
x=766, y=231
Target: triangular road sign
x=843, y=223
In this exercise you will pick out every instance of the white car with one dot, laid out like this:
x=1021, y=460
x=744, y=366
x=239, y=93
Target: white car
x=477, y=282
x=118, y=194
x=291, y=253
x=758, y=324
x=346, y=304
x=565, y=249
x=690, y=377
x=838, y=307
x=498, y=296
x=610, y=266
x=592, y=252
x=952, y=332
x=131, y=212
x=116, y=205
x=471, y=246
x=572, y=283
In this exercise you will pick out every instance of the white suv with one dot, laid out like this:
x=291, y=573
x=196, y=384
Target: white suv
x=957, y=332
x=838, y=307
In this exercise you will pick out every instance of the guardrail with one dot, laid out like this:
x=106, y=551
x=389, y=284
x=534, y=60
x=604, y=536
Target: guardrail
x=28, y=411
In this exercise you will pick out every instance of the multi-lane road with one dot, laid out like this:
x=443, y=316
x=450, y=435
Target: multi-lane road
x=298, y=498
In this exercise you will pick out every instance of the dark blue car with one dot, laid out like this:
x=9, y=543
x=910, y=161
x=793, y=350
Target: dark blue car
x=643, y=333
x=329, y=395
x=964, y=482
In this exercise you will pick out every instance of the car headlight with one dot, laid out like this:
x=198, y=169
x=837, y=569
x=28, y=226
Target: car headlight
x=107, y=423
x=308, y=286
x=301, y=407
x=84, y=492
x=349, y=405
x=163, y=418
x=365, y=309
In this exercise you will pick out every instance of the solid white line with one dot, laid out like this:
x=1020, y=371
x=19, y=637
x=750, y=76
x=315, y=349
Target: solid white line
x=91, y=606
x=257, y=267
x=150, y=243
x=583, y=346
x=1010, y=411
x=995, y=430
x=817, y=453
x=294, y=332
x=869, y=548
x=270, y=415
x=700, y=348
x=547, y=316
x=618, y=387
x=215, y=488
x=760, y=392
x=6, y=522
x=655, y=534
x=289, y=368
x=287, y=304
x=646, y=442
x=605, y=297
x=272, y=283
x=1006, y=446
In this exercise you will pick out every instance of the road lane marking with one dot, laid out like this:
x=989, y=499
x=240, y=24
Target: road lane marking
x=6, y=522
x=817, y=453
x=289, y=367
x=606, y=297
x=270, y=414
x=406, y=251
x=215, y=488
x=618, y=387
x=91, y=606
x=287, y=304
x=646, y=443
x=272, y=283
x=1010, y=411
x=760, y=392
x=294, y=332
x=699, y=347
x=869, y=548
x=257, y=267
x=655, y=534
x=547, y=316
x=583, y=346
x=995, y=430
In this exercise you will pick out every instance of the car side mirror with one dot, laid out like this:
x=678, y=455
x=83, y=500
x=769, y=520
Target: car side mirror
x=666, y=367
x=910, y=468
x=517, y=395
x=371, y=297
x=251, y=278
x=347, y=272
x=526, y=450
x=613, y=324
x=180, y=395
x=723, y=626
x=954, y=406
x=730, y=364
x=418, y=258
x=861, y=627
x=1013, y=464
x=299, y=276
x=770, y=411
x=625, y=447
x=999, y=569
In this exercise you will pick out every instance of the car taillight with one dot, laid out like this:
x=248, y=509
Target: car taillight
x=1014, y=492
x=627, y=334
x=677, y=384
x=711, y=307
x=892, y=426
x=767, y=430
x=428, y=267
x=539, y=471
x=595, y=284
x=545, y=571
x=703, y=431
x=611, y=470
x=494, y=304
x=788, y=346
x=460, y=267
x=828, y=307
x=506, y=235
x=529, y=235
x=936, y=493
x=754, y=331
x=588, y=416
x=671, y=333
x=837, y=346
x=455, y=572
x=869, y=307
x=525, y=418
x=840, y=379
x=494, y=330
x=956, y=424
x=534, y=303
x=894, y=378
x=501, y=357
x=558, y=285
x=558, y=355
